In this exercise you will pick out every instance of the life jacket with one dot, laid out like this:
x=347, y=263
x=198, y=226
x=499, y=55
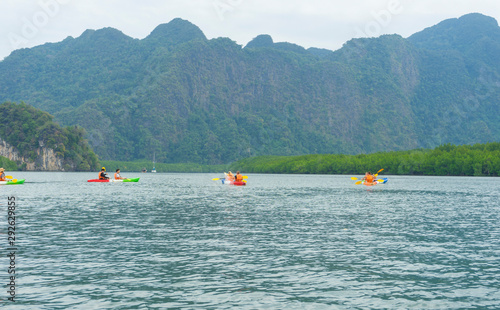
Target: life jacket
x=230, y=177
x=101, y=175
x=117, y=176
x=370, y=178
x=239, y=178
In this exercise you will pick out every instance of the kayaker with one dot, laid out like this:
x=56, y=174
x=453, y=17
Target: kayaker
x=369, y=177
x=230, y=176
x=103, y=175
x=238, y=177
x=118, y=176
x=2, y=174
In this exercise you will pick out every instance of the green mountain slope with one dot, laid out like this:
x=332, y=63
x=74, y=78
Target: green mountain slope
x=36, y=140
x=189, y=99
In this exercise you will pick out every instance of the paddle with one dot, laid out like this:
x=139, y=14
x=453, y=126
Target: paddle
x=10, y=178
x=358, y=183
x=354, y=178
x=376, y=174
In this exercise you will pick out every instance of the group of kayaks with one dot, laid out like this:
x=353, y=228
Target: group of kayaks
x=21, y=181
x=224, y=181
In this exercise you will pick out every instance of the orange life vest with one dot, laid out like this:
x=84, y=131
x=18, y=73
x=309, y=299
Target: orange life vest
x=239, y=178
x=101, y=175
x=370, y=178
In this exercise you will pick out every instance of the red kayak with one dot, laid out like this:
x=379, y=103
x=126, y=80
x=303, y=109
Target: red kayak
x=112, y=180
x=235, y=183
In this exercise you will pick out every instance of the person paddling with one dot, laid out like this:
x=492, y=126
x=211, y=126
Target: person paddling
x=103, y=175
x=369, y=177
x=230, y=176
x=118, y=176
x=2, y=175
x=238, y=177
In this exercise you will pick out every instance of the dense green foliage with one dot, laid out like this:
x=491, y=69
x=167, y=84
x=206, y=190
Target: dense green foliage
x=464, y=160
x=189, y=99
x=137, y=166
x=27, y=129
x=8, y=164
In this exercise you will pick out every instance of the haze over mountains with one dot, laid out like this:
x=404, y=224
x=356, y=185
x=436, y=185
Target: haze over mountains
x=189, y=99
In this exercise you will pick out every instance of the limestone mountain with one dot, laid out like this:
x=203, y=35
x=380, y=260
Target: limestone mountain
x=33, y=141
x=190, y=99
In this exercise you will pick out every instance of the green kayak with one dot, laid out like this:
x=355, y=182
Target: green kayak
x=12, y=182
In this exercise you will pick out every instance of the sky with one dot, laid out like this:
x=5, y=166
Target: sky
x=309, y=23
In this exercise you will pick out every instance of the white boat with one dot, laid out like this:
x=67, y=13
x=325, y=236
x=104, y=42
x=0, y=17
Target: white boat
x=154, y=169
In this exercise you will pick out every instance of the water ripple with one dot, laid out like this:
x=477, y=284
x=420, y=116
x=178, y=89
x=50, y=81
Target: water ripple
x=282, y=242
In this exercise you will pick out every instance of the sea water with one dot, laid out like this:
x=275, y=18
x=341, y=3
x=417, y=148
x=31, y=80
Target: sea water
x=183, y=241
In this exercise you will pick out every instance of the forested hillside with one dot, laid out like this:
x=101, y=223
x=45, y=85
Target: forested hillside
x=31, y=132
x=189, y=99
x=448, y=160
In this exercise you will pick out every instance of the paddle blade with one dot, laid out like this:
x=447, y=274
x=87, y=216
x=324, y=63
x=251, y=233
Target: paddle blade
x=14, y=181
x=8, y=177
x=216, y=179
x=380, y=170
x=245, y=177
x=358, y=183
x=354, y=178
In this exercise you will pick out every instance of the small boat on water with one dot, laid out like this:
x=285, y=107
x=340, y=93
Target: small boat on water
x=235, y=183
x=112, y=180
x=377, y=182
x=154, y=169
x=12, y=182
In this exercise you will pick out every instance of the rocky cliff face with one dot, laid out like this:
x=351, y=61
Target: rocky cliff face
x=46, y=159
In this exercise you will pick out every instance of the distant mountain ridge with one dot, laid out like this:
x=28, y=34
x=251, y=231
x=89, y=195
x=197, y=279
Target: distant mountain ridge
x=190, y=99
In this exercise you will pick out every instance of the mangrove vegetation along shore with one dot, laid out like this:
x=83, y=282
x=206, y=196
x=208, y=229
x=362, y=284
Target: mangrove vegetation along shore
x=445, y=160
x=138, y=166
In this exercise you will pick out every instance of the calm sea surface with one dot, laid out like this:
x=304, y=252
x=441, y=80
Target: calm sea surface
x=183, y=241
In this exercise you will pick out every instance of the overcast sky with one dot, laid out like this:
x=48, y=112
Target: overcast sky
x=309, y=23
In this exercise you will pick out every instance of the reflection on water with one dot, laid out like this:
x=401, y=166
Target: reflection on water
x=283, y=241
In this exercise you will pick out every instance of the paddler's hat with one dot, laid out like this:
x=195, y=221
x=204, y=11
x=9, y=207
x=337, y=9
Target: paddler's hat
x=2, y=169
x=103, y=169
